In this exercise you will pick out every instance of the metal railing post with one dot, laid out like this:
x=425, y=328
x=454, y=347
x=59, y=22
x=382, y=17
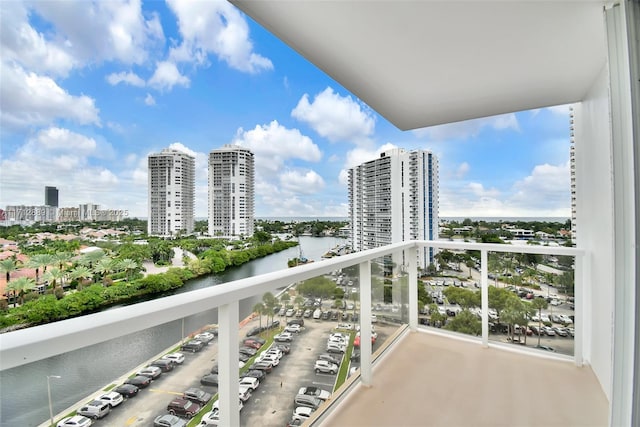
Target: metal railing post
x=484, y=294
x=365, y=323
x=412, y=266
x=228, y=357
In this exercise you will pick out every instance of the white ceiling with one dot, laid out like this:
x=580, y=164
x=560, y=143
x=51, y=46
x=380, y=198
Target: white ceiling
x=422, y=63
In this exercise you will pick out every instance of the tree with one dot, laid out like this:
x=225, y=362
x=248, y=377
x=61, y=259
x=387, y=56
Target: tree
x=91, y=258
x=465, y=322
x=270, y=303
x=260, y=309
x=22, y=285
x=53, y=276
x=298, y=301
x=539, y=304
x=128, y=266
x=41, y=261
x=82, y=273
x=8, y=266
x=285, y=298
x=62, y=258
x=104, y=267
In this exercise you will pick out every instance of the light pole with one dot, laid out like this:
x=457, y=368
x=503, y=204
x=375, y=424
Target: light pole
x=49, y=393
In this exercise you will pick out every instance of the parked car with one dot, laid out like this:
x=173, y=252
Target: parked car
x=325, y=367
x=210, y=380
x=290, y=312
x=283, y=337
x=183, y=407
x=192, y=346
x=165, y=365
x=560, y=332
x=329, y=358
x=139, y=381
x=94, y=409
x=307, y=400
x=307, y=313
x=284, y=348
x=75, y=421
x=335, y=348
x=152, y=372
x=249, y=342
x=355, y=356
x=247, y=350
x=113, y=398
x=302, y=413
x=315, y=391
x=169, y=420
x=250, y=382
x=265, y=366
x=177, y=358
x=260, y=375
x=254, y=331
x=297, y=321
x=275, y=352
x=205, y=337
x=548, y=330
x=269, y=357
x=127, y=390
x=293, y=328
x=244, y=392
x=244, y=357
x=197, y=395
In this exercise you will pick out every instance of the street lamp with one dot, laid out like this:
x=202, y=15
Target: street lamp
x=49, y=393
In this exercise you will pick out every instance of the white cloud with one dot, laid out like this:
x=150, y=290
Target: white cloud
x=479, y=190
x=469, y=128
x=462, y=170
x=273, y=144
x=96, y=31
x=149, y=100
x=548, y=187
x=129, y=78
x=561, y=110
x=181, y=147
x=59, y=157
x=29, y=99
x=215, y=27
x=166, y=76
x=308, y=182
x=335, y=117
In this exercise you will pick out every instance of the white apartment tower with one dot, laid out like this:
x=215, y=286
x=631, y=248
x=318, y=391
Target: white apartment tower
x=171, y=193
x=572, y=163
x=394, y=198
x=231, y=191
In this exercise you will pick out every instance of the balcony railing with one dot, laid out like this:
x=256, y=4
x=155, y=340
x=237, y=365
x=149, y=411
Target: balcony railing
x=29, y=345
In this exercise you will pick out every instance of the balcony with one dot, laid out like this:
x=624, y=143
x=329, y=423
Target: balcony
x=414, y=366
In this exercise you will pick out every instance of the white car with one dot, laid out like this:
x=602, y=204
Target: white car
x=325, y=367
x=152, y=372
x=269, y=357
x=204, y=337
x=295, y=328
x=177, y=358
x=283, y=337
x=302, y=413
x=250, y=382
x=275, y=352
x=216, y=405
x=347, y=326
x=244, y=392
x=75, y=421
x=315, y=391
x=336, y=348
x=374, y=318
x=112, y=398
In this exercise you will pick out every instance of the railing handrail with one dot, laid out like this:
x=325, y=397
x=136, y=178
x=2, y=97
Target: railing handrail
x=41, y=342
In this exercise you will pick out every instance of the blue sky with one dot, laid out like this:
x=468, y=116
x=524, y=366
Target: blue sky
x=89, y=89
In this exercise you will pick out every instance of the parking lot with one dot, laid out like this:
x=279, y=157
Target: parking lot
x=272, y=404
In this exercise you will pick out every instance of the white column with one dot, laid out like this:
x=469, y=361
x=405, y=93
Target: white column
x=228, y=387
x=484, y=294
x=413, y=288
x=365, y=323
x=580, y=275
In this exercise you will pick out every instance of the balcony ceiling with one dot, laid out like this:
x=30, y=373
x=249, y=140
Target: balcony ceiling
x=423, y=63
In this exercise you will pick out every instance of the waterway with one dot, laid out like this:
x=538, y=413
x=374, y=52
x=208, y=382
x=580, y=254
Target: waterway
x=23, y=390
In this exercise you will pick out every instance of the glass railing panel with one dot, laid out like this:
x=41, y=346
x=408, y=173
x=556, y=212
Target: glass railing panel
x=531, y=301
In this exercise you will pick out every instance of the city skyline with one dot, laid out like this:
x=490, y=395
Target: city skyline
x=91, y=89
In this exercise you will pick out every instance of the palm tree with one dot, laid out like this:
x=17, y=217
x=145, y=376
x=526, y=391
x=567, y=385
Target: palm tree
x=298, y=301
x=54, y=275
x=8, y=266
x=269, y=302
x=128, y=266
x=539, y=304
x=104, y=267
x=91, y=258
x=41, y=261
x=22, y=284
x=260, y=309
x=83, y=273
x=62, y=258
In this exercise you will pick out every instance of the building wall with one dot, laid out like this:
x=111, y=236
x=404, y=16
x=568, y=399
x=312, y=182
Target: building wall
x=231, y=191
x=393, y=199
x=171, y=193
x=594, y=214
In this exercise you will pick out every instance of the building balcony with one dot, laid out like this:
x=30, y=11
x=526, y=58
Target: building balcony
x=456, y=378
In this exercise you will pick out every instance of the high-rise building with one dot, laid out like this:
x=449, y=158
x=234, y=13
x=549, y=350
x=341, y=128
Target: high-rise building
x=394, y=198
x=51, y=196
x=572, y=165
x=231, y=191
x=88, y=212
x=171, y=193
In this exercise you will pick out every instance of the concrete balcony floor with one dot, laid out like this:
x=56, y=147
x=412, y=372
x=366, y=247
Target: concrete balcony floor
x=430, y=380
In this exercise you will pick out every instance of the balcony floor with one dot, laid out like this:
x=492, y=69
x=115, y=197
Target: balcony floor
x=430, y=380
